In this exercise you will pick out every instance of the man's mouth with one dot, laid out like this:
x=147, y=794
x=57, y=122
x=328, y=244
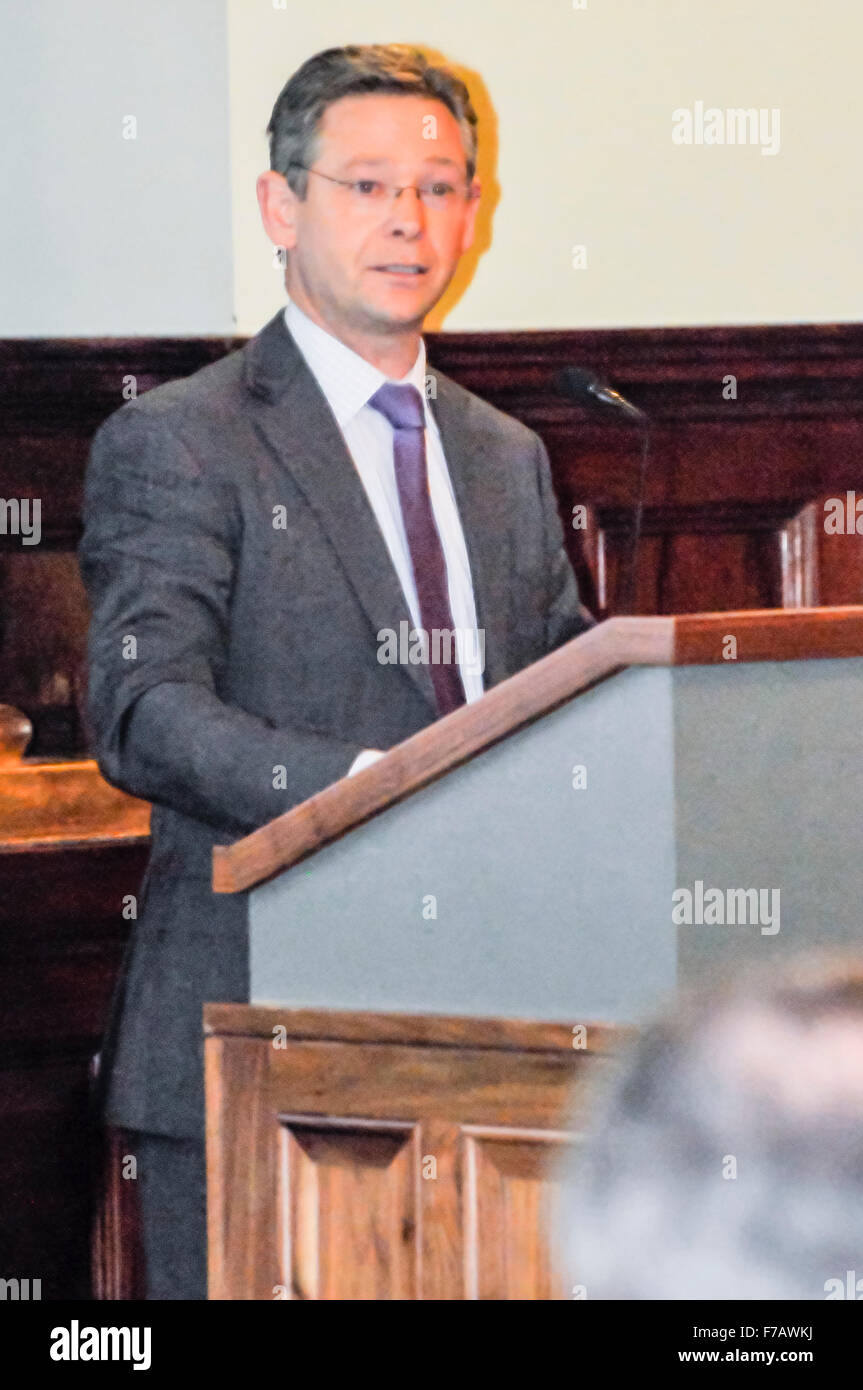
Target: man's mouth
x=402, y=268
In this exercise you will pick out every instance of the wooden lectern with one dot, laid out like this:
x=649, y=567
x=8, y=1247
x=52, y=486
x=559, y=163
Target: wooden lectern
x=445, y=947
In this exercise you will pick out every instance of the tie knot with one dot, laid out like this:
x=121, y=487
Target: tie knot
x=401, y=405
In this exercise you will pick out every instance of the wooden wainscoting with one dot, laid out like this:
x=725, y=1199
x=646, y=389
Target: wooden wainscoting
x=62, y=936
x=386, y=1156
x=118, y=1268
x=749, y=424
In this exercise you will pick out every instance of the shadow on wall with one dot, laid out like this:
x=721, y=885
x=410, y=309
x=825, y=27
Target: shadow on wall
x=486, y=167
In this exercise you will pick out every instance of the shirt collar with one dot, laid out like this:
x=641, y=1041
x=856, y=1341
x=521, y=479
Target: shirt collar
x=347, y=380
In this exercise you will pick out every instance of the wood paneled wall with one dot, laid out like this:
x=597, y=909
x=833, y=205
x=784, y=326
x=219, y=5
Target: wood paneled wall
x=62, y=935
x=748, y=426
x=732, y=464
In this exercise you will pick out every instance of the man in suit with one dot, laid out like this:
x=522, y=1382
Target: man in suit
x=252, y=530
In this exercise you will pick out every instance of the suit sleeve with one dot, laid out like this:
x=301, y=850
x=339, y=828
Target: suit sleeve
x=161, y=537
x=566, y=616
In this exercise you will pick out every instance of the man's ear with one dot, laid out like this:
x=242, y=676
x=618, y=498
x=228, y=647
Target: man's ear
x=278, y=204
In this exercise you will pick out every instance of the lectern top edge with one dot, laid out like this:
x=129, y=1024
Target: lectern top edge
x=399, y=1029
x=696, y=639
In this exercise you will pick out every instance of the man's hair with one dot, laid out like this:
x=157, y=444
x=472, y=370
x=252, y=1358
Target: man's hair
x=357, y=70
x=726, y=1159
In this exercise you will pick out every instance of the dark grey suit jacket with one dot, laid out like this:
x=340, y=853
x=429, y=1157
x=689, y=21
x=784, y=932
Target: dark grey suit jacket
x=223, y=647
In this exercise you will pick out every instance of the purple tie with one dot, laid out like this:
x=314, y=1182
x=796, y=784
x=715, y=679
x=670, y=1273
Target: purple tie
x=403, y=407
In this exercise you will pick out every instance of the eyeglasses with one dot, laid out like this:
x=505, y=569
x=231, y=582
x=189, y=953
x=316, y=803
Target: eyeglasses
x=438, y=195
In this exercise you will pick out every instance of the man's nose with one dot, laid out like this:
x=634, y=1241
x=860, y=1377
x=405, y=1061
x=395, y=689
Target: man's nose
x=408, y=212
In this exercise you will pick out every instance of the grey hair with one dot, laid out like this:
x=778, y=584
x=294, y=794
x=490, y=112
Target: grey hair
x=759, y=1082
x=355, y=70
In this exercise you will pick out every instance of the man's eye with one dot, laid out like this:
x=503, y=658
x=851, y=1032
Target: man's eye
x=370, y=188
x=441, y=190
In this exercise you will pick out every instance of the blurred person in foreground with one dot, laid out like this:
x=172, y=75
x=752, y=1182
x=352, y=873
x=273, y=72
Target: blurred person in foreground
x=726, y=1159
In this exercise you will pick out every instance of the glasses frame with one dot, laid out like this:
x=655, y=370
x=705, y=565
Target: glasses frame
x=393, y=188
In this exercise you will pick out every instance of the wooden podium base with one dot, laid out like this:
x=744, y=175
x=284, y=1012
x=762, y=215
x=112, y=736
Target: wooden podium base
x=388, y=1156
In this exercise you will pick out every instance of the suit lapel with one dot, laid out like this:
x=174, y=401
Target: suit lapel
x=300, y=429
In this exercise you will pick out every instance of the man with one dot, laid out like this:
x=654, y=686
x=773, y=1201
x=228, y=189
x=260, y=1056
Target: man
x=249, y=533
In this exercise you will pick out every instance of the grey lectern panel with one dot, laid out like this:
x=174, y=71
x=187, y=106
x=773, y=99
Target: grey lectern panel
x=501, y=889
x=770, y=798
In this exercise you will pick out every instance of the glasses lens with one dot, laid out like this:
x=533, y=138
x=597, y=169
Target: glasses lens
x=369, y=191
x=441, y=195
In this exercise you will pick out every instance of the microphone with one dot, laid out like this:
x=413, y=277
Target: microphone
x=580, y=386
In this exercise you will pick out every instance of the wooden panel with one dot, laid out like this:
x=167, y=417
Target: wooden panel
x=509, y=1194
x=350, y=1185
x=408, y=1169
x=443, y=1237
x=45, y=1165
x=117, y=1246
x=244, y=1210
x=740, y=549
x=822, y=552
x=62, y=936
x=735, y=469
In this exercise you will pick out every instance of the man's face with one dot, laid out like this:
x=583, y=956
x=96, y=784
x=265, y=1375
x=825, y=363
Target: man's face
x=346, y=244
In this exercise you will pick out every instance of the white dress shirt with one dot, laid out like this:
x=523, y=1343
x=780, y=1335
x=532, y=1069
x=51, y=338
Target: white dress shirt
x=348, y=381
